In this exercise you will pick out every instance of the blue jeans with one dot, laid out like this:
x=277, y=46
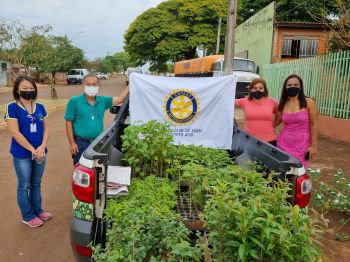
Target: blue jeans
x=29, y=174
x=82, y=144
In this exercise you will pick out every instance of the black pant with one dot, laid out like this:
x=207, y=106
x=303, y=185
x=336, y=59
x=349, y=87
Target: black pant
x=82, y=144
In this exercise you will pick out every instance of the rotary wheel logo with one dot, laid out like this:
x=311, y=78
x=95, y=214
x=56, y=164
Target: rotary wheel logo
x=181, y=106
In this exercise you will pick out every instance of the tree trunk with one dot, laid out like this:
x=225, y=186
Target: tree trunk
x=53, y=89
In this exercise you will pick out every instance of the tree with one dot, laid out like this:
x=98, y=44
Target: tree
x=64, y=56
x=122, y=61
x=92, y=65
x=173, y=31
x=287, y=10
x=339, y=39
x=37, y=51
x=106, y=65
x=50, y=53
x=12, y=35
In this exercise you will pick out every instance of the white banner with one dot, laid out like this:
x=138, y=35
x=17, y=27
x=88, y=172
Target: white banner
x=201, y=109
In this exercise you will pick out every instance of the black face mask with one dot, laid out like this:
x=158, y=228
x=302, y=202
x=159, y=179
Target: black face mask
x=257, y=94
x=292, y=91
x=27, y=95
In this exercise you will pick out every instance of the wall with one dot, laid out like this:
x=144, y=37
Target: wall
x=255, y=36
x=334, y=127
x=3, y=79
x=281, y=32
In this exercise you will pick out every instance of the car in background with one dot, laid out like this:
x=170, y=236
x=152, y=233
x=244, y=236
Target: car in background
x=101, y=75
x=76, y=75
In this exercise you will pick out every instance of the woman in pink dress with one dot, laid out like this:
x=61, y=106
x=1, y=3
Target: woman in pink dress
x=259, y=111
x=298, y=114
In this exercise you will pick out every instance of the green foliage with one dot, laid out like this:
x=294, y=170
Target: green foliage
x=12, y=34
x=145, y=226
x=33, y=47
x=65, y=56
x=119, y=61
x=147, y=147
x=339, y=39
x=331, y=197
x=37, y=51
x=247, y=215
x=51, y=54
x=122, y=60
x=173, y=30
x=288, y=10
x=206, y=157
x=249, y=219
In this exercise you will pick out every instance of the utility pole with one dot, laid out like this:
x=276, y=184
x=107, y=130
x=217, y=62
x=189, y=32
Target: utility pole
x=230, y=37
x=218, y=38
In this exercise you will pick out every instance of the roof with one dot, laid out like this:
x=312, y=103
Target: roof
x=301, y=24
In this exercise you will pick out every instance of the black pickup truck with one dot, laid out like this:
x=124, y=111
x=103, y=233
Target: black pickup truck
x=90, y=175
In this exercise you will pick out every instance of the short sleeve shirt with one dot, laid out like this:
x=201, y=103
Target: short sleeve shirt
x=259, y=117
x=34, y=135
x=87, y=119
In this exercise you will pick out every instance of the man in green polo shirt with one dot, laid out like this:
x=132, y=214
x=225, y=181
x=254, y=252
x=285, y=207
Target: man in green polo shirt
x=85, y=113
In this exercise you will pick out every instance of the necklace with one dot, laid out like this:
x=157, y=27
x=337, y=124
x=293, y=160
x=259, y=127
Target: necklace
x=25, y=108
x=32, y=118
x=92, y=113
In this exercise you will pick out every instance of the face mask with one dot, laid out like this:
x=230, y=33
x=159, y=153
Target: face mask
x=27, y=95
x=292, y=91
x=91, y=90
x=257, y=94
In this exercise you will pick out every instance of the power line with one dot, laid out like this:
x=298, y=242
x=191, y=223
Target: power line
x=303, y=3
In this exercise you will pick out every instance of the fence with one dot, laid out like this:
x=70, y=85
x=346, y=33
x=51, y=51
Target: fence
x=8, y=78
x=326, y=78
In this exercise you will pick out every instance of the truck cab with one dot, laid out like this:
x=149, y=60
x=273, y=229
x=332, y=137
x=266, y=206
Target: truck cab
x=244, y=69
x=75, y=76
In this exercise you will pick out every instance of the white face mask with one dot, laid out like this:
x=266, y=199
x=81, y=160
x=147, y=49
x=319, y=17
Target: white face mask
x=91, y=90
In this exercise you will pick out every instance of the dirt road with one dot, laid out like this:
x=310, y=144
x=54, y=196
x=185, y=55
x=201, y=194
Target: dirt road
x=50, y=242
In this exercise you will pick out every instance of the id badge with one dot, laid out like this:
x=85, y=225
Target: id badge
x=33, y=128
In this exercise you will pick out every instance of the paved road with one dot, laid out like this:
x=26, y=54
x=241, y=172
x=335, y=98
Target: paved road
x=50, y=242
x=64, y=91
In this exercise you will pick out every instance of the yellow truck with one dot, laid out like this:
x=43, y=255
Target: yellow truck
x=211, y=66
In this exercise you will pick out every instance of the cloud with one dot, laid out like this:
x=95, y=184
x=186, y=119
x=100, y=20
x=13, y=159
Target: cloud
x=102, y=23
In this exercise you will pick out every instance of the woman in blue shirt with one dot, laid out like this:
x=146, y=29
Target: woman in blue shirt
x=27, y=123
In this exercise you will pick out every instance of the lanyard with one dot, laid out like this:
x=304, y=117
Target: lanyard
x=32, y=118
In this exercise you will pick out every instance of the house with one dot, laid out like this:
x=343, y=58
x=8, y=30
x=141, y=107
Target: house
x=293, y=40
x=265, y=40
x=5, y=67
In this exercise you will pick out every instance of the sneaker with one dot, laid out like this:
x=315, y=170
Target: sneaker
x=45, y=216
x=35, y=222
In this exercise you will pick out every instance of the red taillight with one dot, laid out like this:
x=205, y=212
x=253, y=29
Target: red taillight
x=85, y=251
x=83, y=183
x=303, y=191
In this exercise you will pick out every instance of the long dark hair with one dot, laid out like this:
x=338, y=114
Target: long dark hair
x=284, y=96
x=252, y=85
x=18, y=80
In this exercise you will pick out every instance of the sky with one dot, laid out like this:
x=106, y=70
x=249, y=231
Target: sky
x=97, y=27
